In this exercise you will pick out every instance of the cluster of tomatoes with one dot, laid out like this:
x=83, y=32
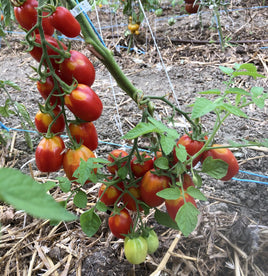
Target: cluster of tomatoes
x=133, y=27
x=191, y=6
x=76, y=72
x=141, y=189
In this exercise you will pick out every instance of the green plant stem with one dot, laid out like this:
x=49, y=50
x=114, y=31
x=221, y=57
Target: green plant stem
x=217, y=15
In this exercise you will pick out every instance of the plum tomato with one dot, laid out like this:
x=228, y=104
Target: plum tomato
x=111, y=194
x=43, y=120
x=85, y=133
x=173, y=205
x=120, y=224
x=114, y=155
x=37, y=52
x=26, y=15
x=135, y=249
x=190, y=8
x=225, y=155
x=84, y=103
x=140, y=168
x=152, y=241
x=187, y=181
x=128, y=200
x=49, y=154
x=63, y=21
x=152, y=184
x=71, y=159
x=77, y=66
x=45, y=89
x=191, y=146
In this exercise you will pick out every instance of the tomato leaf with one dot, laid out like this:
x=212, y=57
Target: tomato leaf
x=122, y=172
x=186, y=218
x=139, y=130
x=22, y=192
x=170, y=193
x=181, y=153
x=80, y=199
x=195, y=193
x=215, y=167
x=258, y=96
x=90, y=222
x=167, y=143
x=201, y=107
x=65, y=184
x=211, y=91
x=237, y=90
x=162, y=163
x=101, y=206
x=164, y=219
x=226, y=70
x=234, y=110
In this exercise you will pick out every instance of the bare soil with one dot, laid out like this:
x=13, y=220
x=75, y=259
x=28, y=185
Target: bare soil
x=232, y=231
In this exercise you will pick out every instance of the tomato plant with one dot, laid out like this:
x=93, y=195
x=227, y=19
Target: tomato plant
x=109, y=195
x=135, y=249
x=49, y=154
x=112, y=158
x=225, y=155
x=85, y=133
x=187, y=181
x=78, y=67
x=84, y=103
x=43, y=120
x=128, y=200
x=150, y=185
x=140, y=167
x=120, y=224
x=173, y=205
x=152, y=240
x=62, y=20
x=72, y=159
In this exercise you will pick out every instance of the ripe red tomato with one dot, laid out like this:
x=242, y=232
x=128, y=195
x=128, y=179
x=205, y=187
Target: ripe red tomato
x=128, y=200
x=49, y=154
x=189, y=1
x=116, y=153
x=120, y=224
x=46, y=88
x=173, y=206
x=139, y=169
x=190, y=8
x=37, y=52
x=191, y=146
x=135, y=249
x=43, y=120
x=71, y=159
x=65, y=22
x=152, y=184
x=85, y=133
x=111, y=194
x=84, y=103
x=187, y=181
x=77, y=66
x=26, y=15
x=225, y=155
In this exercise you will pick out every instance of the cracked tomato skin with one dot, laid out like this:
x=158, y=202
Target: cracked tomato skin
x=120, y=224
x=84, y=103
x=152, y=184
x=62, y=20
x=77, y=66
x=225, y=155
x=85, y=133
x=114, y=154
x=43, y=120
x=71, y=159
x=49, y=154
x=173, y=206
x=135, y=249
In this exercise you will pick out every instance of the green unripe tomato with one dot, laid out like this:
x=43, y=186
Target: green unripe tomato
x=152, y=241
x=135, y=249
x=158, y=12
x=171, y=21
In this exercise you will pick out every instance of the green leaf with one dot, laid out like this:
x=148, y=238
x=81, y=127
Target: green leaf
x=167, y=143
x=24, y=113
x=258, y=96
x=139, y=130
x=186, y=218
x=236, y=90
x=122, y=172
x=170, y=193
x=162, y=163
x=22, y=192
x=164, y=219
x=226, y=70
x=80, y=199
x=197, y=179
x=201, y=107
x=90, y=222
x=49, y=185
x=211, y=91
x=5, y=111
x=214, y=167
x=233, y=110
x=101, y=206
x=195, y=193
x=181, y=153
x=12, y=84
x=65, y=184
